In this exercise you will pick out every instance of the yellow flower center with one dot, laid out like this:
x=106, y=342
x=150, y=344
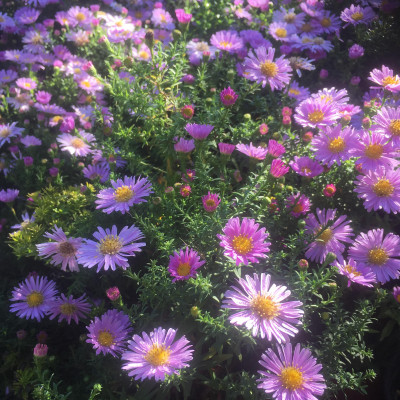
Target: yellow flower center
x=68, y=309
x=269, y=69
x=110, y=245
x=291, y=378
x=294, y=92
x=316, y=116
x=390, y=80
x=210, y=203
x=281, y=32
x=157, y=355
x=297, y=208
x=143, y=54
x=183, y=269
x=264, y=307
x=80, y=17
x=351, y=270
x=86, y=84
x=289, y=18
x=37, y=39
x=225, y=44
x=306, y=170
x=377, y=256
x=357, y=16
x=105, y=338
x=163, y=18
x=242, y=244
x=394, y=127
x=34, y=299
x=337, y=145
x=373, y=151
x=5, y=132
x=326, y=22
x=325, y=236
x=77, y=143
x=383, y=188
x=306, y=27
x=228, y=97
x=123, y=194
x=66, y=249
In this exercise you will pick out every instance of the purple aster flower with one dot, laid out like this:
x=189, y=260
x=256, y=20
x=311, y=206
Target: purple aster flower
x=261, y=68
x=8, y=195
x=281, y=31
x=33, y=297
x=329, y=233
x=356, y=51
x=156, y=355
x=30, y=140
x=111, y=249
x=290, y=17
x=385, y=78
x=278, y=168
x=226, y=148
x=305, y=166
x=316, y=113
x=291, y=375
x=298, y=204
x=228, y=97
x=326, y=22
x=43, y=97
x=198, y=131
x=162, y=19
x=228, y=41
x=7, y=131
x=356, y=273
x=275, y=149
x=101, y=171
x=69, y=308
x=396, y=293
x=26, y=15
x=76, y=145
x=184, y=146
x=184, y=265
x=243, y=241
x=257, y=153
x=378, y=253
x=123, y=194
x=261, y=308
x=380, y=189
x=197, y=49
x=332, y=95
x=62, y=251
x=26, y=220
x=297, y=92
x=7, y=76
x=388, y=123
x=356, y=15
x=89, y=84
x=334, y=144
x=182, y=16
x=210, y=201
x=109, y=333
x=80, y=16
x=26, y=83
x=299, y=63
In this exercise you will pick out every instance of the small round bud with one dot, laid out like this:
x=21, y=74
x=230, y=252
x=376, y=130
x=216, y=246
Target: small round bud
x=194, y=311
x=302, y=264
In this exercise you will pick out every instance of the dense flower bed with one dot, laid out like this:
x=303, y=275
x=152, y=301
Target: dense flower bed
x=199, y=199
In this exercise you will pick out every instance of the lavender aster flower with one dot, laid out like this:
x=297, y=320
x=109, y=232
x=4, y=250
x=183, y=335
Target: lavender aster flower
x=198, y=131
x=388, y=123
x=356, y=273
x=228, y=41
x=7, y=131
x=33, y=298
x=378, y=253
x=316, y=113
x=156, y=355
x=101, y=171
x=8, y=195
x=69, y=308
x=184, y=146
x=226, y=148
x=109, y=333
x=385, y=78
x=298, y=204
x=76, y=145
x=243, y=241
x=291, y=375
x=112, y=249
x=305, y=166
x=123, y=194
x=356, y=15
x=261, y=308
x=184, y=265
x=257, y=153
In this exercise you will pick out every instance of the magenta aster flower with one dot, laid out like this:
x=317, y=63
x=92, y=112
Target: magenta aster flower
x=112, y=249
x=356, y=15
x=198, y=131
x=298, y=204
x=8, y=195
x=316, y=113
x=275, y=149
x=109, y=333
x=7, y=131
x=228, y=41
x=69, y=308
x=334, y=145
x=278, y=168
x=76, y=145
x=123, y=194
x=396, y=293
x=40, y=350
x=356, y=51
x=243, y=241
x=261, y=68
x=305, y=166
x=226, y=148
x=89, y=84
x=62, y=251
x=261, y=308
x=291, y=375
x=184, y=265
x=156, y=355
x=228, y=97
x=182, y=16
x=26, y=83
x=387, y=120
x=329, y=234
x=380, y=189
x=385, y=78
x=379, y=253
x=258, y=153
x=210, y=201
x=184, y=146
x=33, y=297
x=356, y=273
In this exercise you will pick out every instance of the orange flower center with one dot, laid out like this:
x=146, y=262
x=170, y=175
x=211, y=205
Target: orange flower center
x=269, y=69
x=394, y=127
x=225, y=44
x=294, y=92
x=264, y=307
x=390, y=80
x=297, y=208
x=242, y=244
x=383, y=188
x=105, y=338
x=337, y=145
x=34, y=299
x=326, y=22
x=377, y=256
x=123, y=194
x=374, y=151
x=183, y=269
x=316, y=116
x=158, y=355
x=281, y=32
x=80, y=17
x=357, y=16
x=351, y=270
x=289, y=18
x=291, y=378
x=306, y=27
x=325, y=236
x=77, y=143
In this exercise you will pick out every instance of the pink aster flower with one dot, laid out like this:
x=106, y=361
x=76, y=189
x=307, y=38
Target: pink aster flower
x=261, y=67
x=355, y=15
x=329, y=234
x=334, y=145
x=185, y=190
x=305, y=166
x=298, y=204
x=316, y=113
x=385, y=78
x=123, y=194
x=113, y=293
x=43, y=97
x=26, y=83
x=184, y=265
x=356, y=51
x=243, y=241
x=40, y=350
x=162, y=19
x=184, y=146
x=379, y=253
x=62, y=251
x=156, y=355
x=182, y=16
x=198, y=131
x=111, y=249
x=257, y=153
x=226, y=148
x=109, y=333
x=261, y=308
x=380, y=189
x=228, y=41
x=291, y=375
x=396, y=293
x=387, y=120
x=263, y=129
x=275, y=149
x=210, y=201
x=329, y=190
x=78, y=146
x=228, y=97
x=187, y=111
x=69, y=308
x=33, y=298
x=89, y=84
x=278, y=168
x=356, y=273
